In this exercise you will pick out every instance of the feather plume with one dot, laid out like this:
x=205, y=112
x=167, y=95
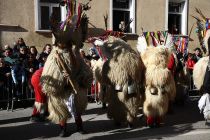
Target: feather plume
x=201, y=14
x=141, y=44
x=201, y=28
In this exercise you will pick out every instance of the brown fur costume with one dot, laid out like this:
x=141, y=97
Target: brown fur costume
x=159, y=82
x=53, y=82
x=57, y=88
x=123, y=65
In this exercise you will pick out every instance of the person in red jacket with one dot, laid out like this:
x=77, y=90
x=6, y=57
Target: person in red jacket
x=190, y=63
x=40, y=108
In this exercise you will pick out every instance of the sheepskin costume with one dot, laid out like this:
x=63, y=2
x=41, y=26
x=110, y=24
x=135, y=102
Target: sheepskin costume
x=123, y=70
x=97, y=66
x=54, y=84
x=206, y=41
x=199, y=72
x=200, y=67
x=58, y=90
x=159, y=83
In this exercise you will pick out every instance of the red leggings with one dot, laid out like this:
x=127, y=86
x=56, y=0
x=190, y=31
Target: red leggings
x=39, y=96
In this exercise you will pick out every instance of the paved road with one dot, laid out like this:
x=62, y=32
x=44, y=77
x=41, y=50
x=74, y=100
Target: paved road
x=186, y=123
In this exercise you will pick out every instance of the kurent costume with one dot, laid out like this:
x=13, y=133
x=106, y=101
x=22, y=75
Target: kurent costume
x=159, y=82
x=201, y=77
x=65, y=76
x=122, y=73
x=40, y=106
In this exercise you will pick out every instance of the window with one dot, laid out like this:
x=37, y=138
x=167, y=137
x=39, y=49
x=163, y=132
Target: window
x=122, y=13
x=177, y=16
x=43, y=11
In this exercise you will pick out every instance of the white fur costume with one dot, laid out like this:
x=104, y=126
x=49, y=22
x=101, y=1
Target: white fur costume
x=159, y=82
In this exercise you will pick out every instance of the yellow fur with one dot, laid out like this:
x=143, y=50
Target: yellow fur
x=159, y=82
x=155, y=105
x=156, y=56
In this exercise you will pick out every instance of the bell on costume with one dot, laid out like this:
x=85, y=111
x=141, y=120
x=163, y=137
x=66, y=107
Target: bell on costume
x=131, y=87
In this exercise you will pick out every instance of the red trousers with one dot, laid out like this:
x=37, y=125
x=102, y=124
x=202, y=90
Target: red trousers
x=35, y=81
x=94, y=88
x=40, y=97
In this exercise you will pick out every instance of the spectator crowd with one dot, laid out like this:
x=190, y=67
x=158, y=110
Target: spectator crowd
x=17, y=64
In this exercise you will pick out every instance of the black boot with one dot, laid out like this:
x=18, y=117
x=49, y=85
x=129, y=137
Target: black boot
x=78, y=121
x=63, y=132
x=130, y=125
x=80, y=129
x=35, y=118
x=104, y=106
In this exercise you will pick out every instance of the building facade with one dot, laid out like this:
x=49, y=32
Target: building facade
x=29, y=19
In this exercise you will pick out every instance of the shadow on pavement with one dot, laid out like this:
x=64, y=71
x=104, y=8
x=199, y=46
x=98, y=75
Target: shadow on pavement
x=15, y=120
x=29, y=131
x=181, y=121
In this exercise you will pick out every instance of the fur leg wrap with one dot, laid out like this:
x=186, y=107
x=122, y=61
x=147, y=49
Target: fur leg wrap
x=58, y=110
x=41, y=107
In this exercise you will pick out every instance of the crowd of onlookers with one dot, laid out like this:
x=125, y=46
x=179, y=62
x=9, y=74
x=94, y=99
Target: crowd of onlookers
x=17, y=64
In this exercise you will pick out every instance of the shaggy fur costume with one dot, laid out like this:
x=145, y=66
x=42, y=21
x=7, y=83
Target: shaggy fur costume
x=206, y=39
x=199, y=72
x=123, y=65
x=58, y=90
x=200, y=67
x=159, y=82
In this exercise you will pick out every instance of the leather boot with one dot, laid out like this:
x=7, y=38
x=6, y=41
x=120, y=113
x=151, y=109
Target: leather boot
x=63, y=132
x=78, y=121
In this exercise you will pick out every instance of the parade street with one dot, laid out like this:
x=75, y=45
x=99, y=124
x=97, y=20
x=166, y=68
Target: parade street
x=185, y=123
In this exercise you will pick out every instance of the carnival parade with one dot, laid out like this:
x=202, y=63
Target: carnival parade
x=148, y=84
